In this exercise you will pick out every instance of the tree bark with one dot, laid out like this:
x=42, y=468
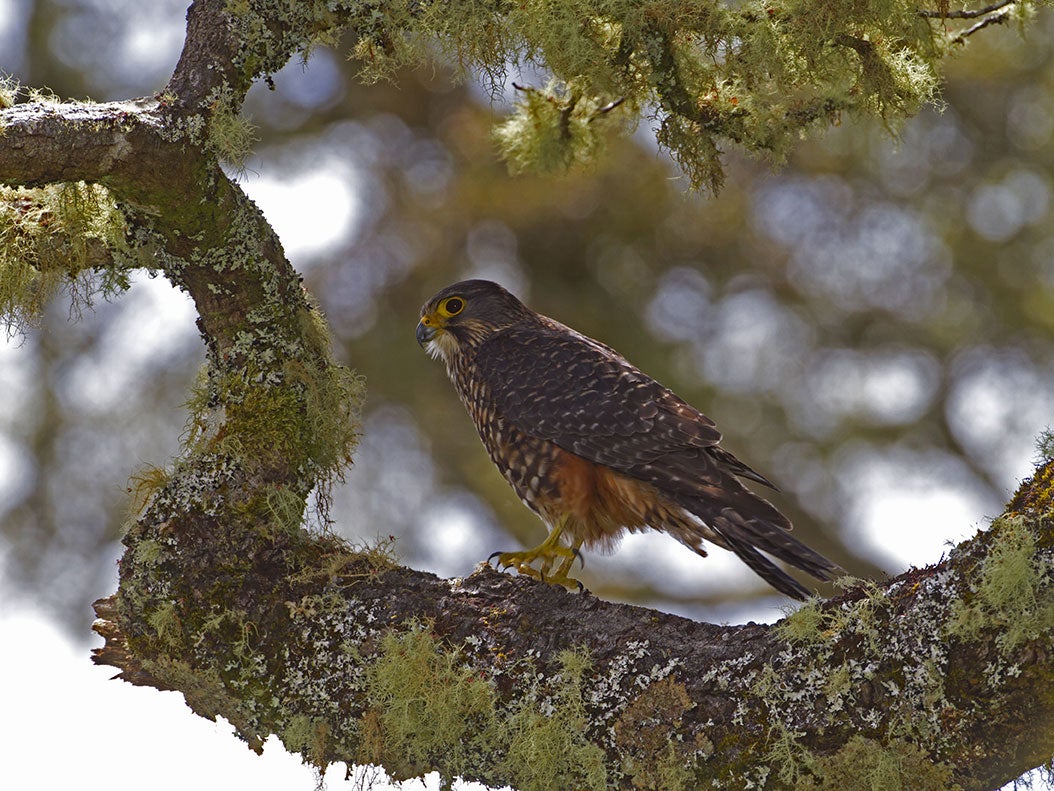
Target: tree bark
x=941, y=676
x=295, y=635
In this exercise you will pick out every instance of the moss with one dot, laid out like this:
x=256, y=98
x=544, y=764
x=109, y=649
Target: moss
x=231, y=135
x=556, y=129
x=642, y=734
x=431, y=708
x=868, y=765
x=312, y=413
x=166, y=623
x=1045, y=445
x=54, y=236
x=9, y=89
x=548, y=749
x=308, y=736
x=1014, y=593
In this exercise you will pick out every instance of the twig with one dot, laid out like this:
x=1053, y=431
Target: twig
x=965, y=14
x=998, y=19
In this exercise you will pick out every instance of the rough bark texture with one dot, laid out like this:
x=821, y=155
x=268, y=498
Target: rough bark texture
x=286, y=635
x=942, y=677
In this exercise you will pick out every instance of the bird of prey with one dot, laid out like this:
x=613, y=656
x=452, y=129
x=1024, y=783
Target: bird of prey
x=594, y=446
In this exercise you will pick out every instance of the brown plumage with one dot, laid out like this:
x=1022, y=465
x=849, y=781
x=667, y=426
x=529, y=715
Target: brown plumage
x=594, y=446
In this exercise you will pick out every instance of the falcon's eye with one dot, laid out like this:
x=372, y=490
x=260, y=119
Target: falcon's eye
x=452, y=306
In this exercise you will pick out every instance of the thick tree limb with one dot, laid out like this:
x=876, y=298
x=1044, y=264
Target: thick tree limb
x=270, y=631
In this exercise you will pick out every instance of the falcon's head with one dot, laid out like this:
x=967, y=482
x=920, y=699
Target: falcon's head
x=465, y=313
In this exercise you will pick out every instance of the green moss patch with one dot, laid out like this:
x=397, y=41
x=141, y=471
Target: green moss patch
x=1014, y=592
x=61, y=235
x=431, y=711
x=867, y=765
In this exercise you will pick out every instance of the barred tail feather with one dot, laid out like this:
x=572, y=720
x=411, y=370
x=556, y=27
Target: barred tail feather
x=770, y=572
x=747, y=524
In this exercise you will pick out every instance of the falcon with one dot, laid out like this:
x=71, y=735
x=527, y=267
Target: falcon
x=594, y=446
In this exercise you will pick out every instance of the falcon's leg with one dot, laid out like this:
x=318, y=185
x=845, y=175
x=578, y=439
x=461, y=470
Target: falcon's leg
x=568, y=562
x=548, y=552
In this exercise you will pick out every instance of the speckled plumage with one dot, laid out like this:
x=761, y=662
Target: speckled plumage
x=591, y=443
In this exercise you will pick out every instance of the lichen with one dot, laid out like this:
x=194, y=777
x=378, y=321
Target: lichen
x=547, y=747
x=758, y=76
x=9, y=89
x=868, y=765
x=432, y=708
x=1045, y=445
x=643, y=735
x=1015, y=590
x=309, y=736
x=60, y=235
x=207, y=695
x=166, y=623
x=231, y=135
x=557, y=129
x=143, y=484
x=429, y=710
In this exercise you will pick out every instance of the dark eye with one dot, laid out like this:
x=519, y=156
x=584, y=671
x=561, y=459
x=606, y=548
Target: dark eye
x=454, y=305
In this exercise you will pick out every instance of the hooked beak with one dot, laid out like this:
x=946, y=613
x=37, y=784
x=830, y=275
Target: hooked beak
x=424, y=333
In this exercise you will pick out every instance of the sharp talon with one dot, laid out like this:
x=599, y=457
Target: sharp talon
x=581, y=559
x=492, y=556
x=581, y=587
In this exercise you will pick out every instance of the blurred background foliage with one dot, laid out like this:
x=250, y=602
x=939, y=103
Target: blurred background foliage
x=872, y=325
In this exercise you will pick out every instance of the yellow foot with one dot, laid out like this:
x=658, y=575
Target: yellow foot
x=521, y=561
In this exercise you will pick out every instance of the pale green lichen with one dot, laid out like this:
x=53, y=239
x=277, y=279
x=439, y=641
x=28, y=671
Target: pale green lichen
x=148, y=551
x=906, y=655
x=165, y=622
x=1015, y=591
x=43, y=95
x=61, y=235
x=231, y=135
x=1045, y=445
x=431, y=710
x=547, y=749
x=9, y=89
x=758, y=74
x=143, y=484
x=807, y=624
x=868, y=765
x=309, y=736
x=556, y=129
x=815, y=623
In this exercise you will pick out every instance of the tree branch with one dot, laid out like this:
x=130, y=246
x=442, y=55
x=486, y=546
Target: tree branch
x=928, y=664
x=965, y=13
x=49, y=143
